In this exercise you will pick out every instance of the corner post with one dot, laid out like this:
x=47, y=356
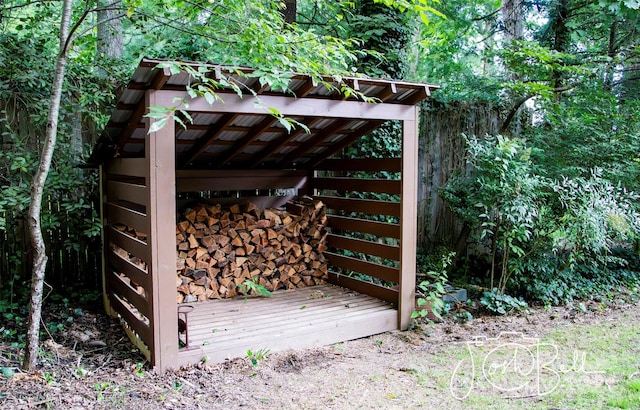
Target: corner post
x=409, y=219
x=160, y=154
x=103, y=240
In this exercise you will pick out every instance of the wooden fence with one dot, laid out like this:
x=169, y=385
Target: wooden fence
x=441, y=153
x=74, y=262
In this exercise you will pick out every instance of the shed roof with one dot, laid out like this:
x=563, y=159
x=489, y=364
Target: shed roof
x=229, y=135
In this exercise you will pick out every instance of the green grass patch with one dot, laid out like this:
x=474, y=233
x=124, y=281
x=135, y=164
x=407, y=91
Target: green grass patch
x=578, y=366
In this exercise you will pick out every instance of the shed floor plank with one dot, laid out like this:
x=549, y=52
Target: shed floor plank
x=301, y=318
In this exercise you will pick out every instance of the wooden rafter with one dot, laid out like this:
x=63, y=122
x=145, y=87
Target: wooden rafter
x=354, y=136
x=305, y=88
x=337, y=126
x=279, y=143
x=253, y=134
x=214, y=130
x=157, y=83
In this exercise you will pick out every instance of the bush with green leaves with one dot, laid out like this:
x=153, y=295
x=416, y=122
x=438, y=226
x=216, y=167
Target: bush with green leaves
x=549, y=240
x=502, y=200
x=501, y=304
x=433, y=288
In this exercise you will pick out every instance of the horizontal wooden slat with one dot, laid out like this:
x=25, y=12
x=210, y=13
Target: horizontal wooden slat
x=143, y=330
x=365, y=226
x=118, y=213
x=304, y=317
x=368, y=268
x=128, y=166
x=117, y=285
x=125, y=191
x=362, y=164
x=381, y=186
x=239, y=183
x=362, y=246
x=130, y=244
x=244, y=173
x=262, y=202
x=132, y=271
x=261, y=319
x=366, y=206
x=367, y=288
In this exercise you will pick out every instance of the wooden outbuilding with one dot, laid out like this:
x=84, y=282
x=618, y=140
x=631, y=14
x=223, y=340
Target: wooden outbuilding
x=236, y=151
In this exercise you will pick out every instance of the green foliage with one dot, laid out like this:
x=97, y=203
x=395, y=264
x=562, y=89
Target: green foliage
x=502, y=199
x=585, y=130
x=551, y=240
x=499, y=303
x=226, y=32
x=432, y=289
x=256, y=356
x=251, y=286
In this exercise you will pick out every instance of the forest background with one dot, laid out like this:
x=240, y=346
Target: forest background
x=529, y=151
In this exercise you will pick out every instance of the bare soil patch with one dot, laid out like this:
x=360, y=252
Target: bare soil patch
x=91, y=364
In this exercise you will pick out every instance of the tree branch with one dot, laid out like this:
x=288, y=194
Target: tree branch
x=518, y=104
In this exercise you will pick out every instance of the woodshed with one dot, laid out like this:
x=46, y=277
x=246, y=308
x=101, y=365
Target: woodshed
x=235, y=154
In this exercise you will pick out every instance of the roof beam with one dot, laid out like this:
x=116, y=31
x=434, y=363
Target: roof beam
x=157, y=82
x=290, y=106
x=132, y=122
x=387, y=92
x=305, y=88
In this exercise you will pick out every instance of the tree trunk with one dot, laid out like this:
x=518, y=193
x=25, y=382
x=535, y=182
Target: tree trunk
x=561, y=34
x=611, y=53
x=110, y=43
x=290, y=11
x=37, y=187
x=512, y=19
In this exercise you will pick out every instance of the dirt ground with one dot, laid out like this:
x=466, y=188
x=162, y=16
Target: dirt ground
x=91, y=364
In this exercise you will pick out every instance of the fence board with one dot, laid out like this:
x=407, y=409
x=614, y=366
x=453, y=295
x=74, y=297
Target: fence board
x=232, y=183
x=142, y=329
x=120, y=213
x=129, y=269
x=125, y=291
x=126, y=191
x=130, y=244
x=136, y=167
x=361, y=164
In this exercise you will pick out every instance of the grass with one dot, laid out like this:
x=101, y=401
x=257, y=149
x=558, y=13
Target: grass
x=581, y=367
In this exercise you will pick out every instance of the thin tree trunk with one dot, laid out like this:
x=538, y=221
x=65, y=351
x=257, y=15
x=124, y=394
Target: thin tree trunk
x=110, y=44
x=37, y=187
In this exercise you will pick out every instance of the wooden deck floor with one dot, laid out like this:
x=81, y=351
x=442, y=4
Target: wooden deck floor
x=301, y=318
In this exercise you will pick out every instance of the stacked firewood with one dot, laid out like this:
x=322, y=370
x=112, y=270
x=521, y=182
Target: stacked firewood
x=222, y=252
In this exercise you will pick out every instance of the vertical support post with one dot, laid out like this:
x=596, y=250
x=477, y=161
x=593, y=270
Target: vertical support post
x=160, y=154
x=408, y=221
x=103, y=240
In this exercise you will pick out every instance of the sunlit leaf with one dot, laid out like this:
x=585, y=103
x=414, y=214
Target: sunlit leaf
x=158, y=125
